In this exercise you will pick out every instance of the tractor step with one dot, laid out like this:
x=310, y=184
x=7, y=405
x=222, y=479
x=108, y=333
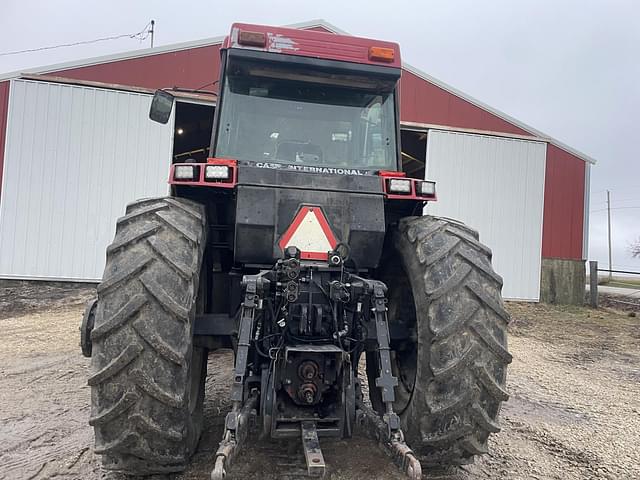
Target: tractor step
x=311, y=446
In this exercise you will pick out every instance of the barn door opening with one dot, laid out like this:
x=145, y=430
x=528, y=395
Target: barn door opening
x=192, y=131
x=414, y=152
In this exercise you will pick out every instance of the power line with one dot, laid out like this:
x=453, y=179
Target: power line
x=612, y=208
x=616, y=202
x=626, y=199
x=141, y=35
x=617, y=189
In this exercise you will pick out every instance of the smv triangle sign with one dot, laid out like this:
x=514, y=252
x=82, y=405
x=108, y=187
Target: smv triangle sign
x=310, y=232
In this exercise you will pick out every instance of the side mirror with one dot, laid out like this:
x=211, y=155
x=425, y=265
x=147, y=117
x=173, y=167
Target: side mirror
x=161, y=106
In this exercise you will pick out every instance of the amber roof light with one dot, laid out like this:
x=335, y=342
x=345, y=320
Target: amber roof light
x=381, y=54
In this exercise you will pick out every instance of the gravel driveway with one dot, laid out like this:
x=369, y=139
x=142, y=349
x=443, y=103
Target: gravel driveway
x=574, y=411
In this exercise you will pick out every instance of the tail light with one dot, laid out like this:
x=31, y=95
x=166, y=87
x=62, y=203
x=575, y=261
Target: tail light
x=252, y=39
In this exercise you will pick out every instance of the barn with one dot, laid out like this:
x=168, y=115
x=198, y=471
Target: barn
x=76, y=145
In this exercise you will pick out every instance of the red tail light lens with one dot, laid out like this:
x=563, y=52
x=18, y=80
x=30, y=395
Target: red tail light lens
x=252, y=39
x=390, y=173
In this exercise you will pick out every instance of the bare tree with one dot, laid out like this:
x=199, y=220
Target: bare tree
x=634, y=248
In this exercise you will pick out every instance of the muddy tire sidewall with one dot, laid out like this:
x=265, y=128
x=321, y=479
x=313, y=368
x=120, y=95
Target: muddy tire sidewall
x=460, y=338
x=147, y=378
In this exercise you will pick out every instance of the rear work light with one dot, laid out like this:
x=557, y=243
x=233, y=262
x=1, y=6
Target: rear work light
x=396, y=186
x=252, y=39
x=184, y=172
x=427, y=189
x=381, y=54
x=217, y=172
x=399, y=185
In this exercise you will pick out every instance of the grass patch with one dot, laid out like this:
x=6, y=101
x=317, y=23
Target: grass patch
x=622, y=282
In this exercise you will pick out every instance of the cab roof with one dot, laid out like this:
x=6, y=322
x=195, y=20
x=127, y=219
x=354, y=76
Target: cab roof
x=314, y=44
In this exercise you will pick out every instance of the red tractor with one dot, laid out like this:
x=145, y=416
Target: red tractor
x=300, y=245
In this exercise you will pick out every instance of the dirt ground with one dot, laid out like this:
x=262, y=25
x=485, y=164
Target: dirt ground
x=574, y=411
x=628, y=304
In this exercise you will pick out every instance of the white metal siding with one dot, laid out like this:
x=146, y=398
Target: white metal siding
x=75, y=156
x=495, y=185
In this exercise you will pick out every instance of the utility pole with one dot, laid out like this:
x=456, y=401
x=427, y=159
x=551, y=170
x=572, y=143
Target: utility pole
x=151, y=31
x=609, y=229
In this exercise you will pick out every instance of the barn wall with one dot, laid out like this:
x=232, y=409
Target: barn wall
x=191, y=68
x=85, y=154
x=4, y=113
x=562, y=232
x=424, y=102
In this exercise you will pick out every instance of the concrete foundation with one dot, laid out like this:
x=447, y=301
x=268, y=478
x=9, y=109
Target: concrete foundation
x=563, y=281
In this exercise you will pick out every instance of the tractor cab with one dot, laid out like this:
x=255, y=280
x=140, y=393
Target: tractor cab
x=281, y=107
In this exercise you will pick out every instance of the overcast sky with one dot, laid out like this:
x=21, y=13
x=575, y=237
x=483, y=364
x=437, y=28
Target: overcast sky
x=568, y=68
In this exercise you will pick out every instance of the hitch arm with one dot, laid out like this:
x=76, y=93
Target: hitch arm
x=386, y=429
x=237, y=420
x=395, y=447
x=386, y=382
x=233, y=438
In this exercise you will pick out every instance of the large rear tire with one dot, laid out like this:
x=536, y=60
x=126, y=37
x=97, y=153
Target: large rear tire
x=452, y=372
x=147, y=380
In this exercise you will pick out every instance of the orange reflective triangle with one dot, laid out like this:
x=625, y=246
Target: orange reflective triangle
x=310, y=233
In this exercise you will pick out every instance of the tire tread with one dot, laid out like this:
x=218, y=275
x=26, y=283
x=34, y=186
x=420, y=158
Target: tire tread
x=456, y=399
x=142, y=338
